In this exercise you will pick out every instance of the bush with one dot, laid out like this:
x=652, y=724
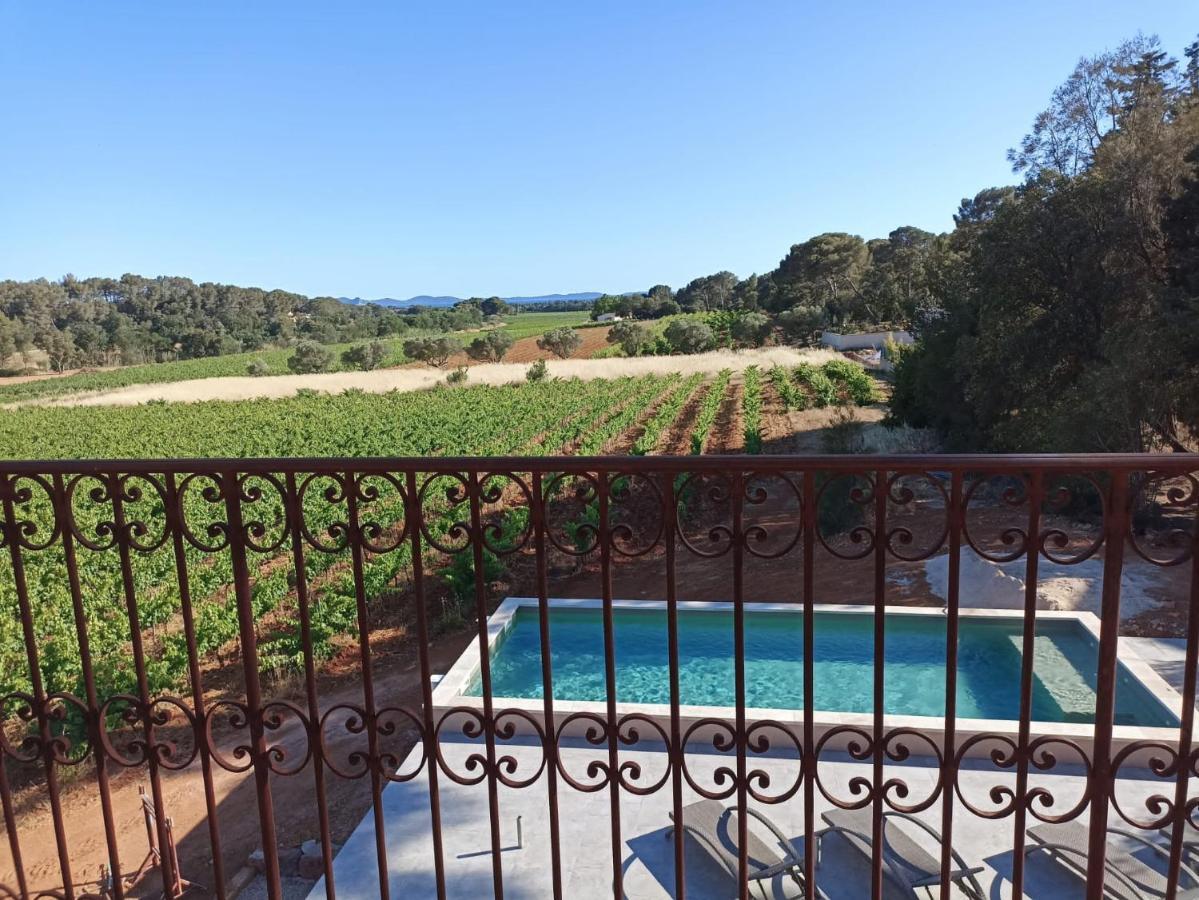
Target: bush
x=819, y=385
x=689, y=336
x=750, y=329
x=536, y=371
x=432, y=350
x=800, y=323
x=365, y=356
x=309, y=357
x=629, y=335
x=258, y=368
x=458, y=376
x=491, y=347
x=857, y=382
x=561, y=342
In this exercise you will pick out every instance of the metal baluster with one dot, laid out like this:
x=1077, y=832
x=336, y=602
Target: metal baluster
x=1032, y=558
x=738, y=499
x=881, y=491
x=231, y=487
x=547, y=680
x=809, y=687
x=94, y=723
x=117, y=493
x=493, y=800
x=35, y=678
x=295, y=516
x=605, y=527
x=174, y=511
x=368, y=684
x=956, y=513
x=1186, y=727
x=1116, y=527
x=677, y=750
x=415, y=522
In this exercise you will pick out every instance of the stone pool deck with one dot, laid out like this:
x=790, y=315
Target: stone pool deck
x=646, y=853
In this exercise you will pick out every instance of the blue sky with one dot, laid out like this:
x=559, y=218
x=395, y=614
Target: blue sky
x=509, y=148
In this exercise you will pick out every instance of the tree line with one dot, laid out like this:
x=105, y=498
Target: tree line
x=133, y=319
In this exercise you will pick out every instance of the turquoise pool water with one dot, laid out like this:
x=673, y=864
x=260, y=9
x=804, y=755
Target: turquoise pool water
x=989, y=657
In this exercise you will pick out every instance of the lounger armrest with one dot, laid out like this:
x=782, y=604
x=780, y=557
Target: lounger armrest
x=963, y=870
x=782, y=838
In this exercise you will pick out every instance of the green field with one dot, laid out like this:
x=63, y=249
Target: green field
x=519, y=326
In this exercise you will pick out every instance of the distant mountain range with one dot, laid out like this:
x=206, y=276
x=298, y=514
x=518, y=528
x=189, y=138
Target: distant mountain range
x=427, y=300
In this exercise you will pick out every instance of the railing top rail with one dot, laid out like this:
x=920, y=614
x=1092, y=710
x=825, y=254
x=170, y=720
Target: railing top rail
x=1176, y=463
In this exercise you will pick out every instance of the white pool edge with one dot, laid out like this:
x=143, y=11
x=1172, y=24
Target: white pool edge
x=450, y=692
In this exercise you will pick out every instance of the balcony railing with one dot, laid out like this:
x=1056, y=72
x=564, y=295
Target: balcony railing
x=173, y=619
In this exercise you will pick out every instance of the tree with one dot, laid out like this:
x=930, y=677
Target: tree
x=309, y=357
x=827, y=271
x=258, y=368
x=491, y=347
x=1067, y=321
x=711, y=292
x=801, y=323
x=365, y=356
x=562, y=342
x=629, y=335
x=689, y=336
x=536, y=372
x=432, y=350
x=750, y=329
x=495, y=306
x=60, y=351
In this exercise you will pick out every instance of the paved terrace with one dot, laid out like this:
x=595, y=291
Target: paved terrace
x=646, y=852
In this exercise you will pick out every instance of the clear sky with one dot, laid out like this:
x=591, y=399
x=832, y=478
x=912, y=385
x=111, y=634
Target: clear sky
x=507, y=148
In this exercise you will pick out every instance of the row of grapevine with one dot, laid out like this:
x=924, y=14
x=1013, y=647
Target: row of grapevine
x=751, y=409
x=708, y=410
x=788, y=391
x=818, y=386
x=665, y=415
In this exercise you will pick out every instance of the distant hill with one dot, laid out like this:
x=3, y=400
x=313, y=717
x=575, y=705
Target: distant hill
x=427, y=300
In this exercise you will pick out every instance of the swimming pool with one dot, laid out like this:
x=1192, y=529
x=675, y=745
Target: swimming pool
x=989, y=663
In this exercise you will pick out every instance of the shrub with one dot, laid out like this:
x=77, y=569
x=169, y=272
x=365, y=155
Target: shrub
x=819, y=385
x=536, y=371
x=629, y=335
x=309, y=357
x=258, y=368
x=458, y=376
x=858, y=384
x=432, y=350
x=490, y=347
x=689, y=336
x=750, y=329
x=561, y=342
x=800, y=323
x=365, y=356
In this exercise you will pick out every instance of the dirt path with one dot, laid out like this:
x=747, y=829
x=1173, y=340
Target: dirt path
x=412, y=378
x=676, y=440
x=728, y=431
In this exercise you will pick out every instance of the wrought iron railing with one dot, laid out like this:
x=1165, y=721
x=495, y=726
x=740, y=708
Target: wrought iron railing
x=123, y=582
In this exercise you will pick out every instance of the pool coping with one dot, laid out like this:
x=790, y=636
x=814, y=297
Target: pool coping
x=449, y=693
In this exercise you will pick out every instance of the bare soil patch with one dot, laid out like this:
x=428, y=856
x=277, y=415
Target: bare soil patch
x=676, y=441
x=728, y=431
x=414, y=378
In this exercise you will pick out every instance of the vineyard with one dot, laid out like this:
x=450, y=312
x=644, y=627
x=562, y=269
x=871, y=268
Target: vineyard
x=130, y=586
x=274, y=362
